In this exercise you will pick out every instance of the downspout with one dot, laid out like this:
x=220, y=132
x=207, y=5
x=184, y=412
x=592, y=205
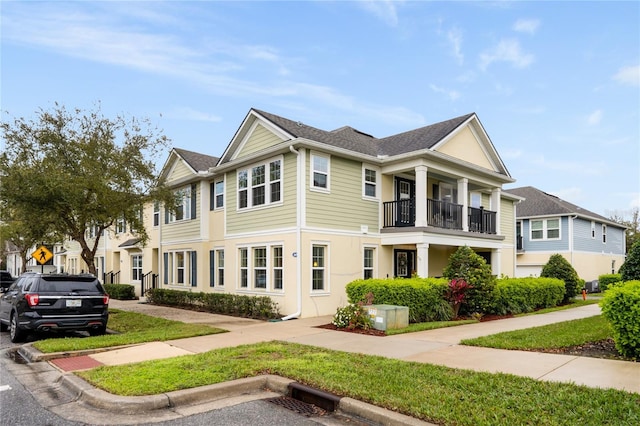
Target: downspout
x=300, y=188
x=574, y=217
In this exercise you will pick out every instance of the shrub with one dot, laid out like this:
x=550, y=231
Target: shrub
x=606, y=280
x=257, y=307
x=621, y=307
x=354, y=315
x=559, y=267
x=456, y=294
x=519, y=295
x=466, y=264
x=630, y=269
x=120, y=291
x=425, y=297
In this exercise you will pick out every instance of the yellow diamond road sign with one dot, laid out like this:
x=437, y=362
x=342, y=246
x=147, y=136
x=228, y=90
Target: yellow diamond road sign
x=42, y=255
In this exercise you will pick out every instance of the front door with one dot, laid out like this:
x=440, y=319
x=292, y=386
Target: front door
x=404, y=263
x=405, y=202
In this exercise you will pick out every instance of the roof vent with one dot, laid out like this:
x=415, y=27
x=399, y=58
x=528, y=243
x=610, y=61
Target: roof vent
x=299, y=123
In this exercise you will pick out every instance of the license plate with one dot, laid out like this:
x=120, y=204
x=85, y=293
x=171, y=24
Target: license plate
x=74, y=303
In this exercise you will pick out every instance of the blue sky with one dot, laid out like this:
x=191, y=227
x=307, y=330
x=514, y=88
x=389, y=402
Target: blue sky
x=555, y=84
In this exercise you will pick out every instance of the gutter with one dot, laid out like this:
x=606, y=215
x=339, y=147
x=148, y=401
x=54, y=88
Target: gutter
x=300, y=187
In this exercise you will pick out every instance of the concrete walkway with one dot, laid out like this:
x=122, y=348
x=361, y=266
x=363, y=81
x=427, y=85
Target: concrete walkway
x=439, y=346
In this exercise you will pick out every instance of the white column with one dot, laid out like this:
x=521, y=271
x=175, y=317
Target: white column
x=463, y=198
x=496, y=264
x=495, y=206
x=423, y=260
x=421, y=195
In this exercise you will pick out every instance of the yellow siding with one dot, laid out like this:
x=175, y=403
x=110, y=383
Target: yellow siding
x=259, y=139
x=183, y=229
x=507, y=226
x=268, y=217
x=466, y=147
x=343, y=208
x=180, y=170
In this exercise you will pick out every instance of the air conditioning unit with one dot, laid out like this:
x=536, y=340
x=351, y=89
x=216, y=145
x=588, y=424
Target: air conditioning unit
x=388, y=317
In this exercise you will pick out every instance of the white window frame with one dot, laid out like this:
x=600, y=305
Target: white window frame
x=121, y=226
x=475, y=199
x=267, y=184
x=371, y=268
x=136, y=267
x=183, y=209
x=218, y=194
x=219, y=279
x=174, y=269
x=367, y=183
x=259, y=267
x=156, y=214
x=545, y=229
x=243, y=263
x=593, y=230
x=313, y=171
x=267, y=267
x=277, y=267
x=604, y=233
x=317, y=267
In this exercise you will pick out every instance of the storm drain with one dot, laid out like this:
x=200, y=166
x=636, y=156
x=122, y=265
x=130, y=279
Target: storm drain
x=300, y=407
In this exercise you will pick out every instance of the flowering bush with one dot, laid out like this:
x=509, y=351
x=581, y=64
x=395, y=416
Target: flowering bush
x=352, y=316
x=456, y=293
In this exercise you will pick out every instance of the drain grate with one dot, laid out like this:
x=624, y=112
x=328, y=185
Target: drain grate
x=300, y=407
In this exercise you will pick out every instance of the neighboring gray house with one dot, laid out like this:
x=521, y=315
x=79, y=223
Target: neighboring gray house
x=546, y=224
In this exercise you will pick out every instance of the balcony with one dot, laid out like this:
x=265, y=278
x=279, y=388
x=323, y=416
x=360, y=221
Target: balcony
x=440, y=214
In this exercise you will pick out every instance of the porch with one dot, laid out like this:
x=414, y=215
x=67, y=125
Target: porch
x=439, y=214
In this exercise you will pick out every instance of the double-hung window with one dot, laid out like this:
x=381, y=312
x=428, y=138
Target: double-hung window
x=180, y=268
x=156, y=213
x=370, y=182
x=219, y=194
x=260, y=267
x=136, y=267
x=185, y=204
x=318, y=272
x=244, y=267
x=278, y=270
x=545, y=229
x=319, y=172
x=368, y=262
x=604, y=233
x=220, y=258
x=260, y=185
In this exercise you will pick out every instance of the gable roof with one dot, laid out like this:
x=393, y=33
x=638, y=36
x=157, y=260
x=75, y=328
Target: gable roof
x=539, y=203
x=198, y=162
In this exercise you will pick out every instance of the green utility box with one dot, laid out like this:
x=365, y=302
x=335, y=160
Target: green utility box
x=388, y=317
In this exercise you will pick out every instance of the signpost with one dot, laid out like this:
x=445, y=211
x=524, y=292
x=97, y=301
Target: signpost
x=42, y=255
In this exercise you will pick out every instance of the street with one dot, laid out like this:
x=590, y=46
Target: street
x=30, y=396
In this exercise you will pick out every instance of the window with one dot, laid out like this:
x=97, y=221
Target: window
x=244, y=270
x=121, y=226
x=180, y=268
x=179, y=259
x=156, y=213
x=260, y=267
x=220, y=254
x=604, y=233
x=185, y=205
x=370, y=180
x=319, y=172
x=136, y=267
x=476, y=199
x=545, y=229
x=264, y=187
x=318, y=268
x=593, y=230
x=368, y=262
x=278, y=271
x=219, y=194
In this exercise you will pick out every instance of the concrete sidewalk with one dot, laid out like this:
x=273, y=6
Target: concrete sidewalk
x=439, y=346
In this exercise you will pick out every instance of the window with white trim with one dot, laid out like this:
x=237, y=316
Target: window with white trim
x=260, y=185
x=216, y=268
x=604, y=233
x=369, y=182
x=593, y=230
x=220, y=258
x=219, y=194
x=180, y=268
x=136, y=267
x=278, y=268
x=260, y=268
x=318, y=271
x=183, y=205
x=475, y=199
x=545, y=229
x=121, y=226
x=244, y=268
x=368, y=262
x=156, y=213
x=319, y=172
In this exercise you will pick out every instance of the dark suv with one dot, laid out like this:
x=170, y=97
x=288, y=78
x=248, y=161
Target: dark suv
x=54, y=302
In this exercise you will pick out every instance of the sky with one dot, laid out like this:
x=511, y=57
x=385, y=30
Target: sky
x=556, y=85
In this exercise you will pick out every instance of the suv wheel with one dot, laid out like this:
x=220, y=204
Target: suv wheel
x=98, y=331
x=16, y=334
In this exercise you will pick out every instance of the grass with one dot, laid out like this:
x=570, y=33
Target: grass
x=558, y=335
x=577, y=302
x=432, y=393
x=423, y=326
x=132, y=328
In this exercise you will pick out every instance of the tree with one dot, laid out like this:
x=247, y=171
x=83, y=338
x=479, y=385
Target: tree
x=558, y=267
x=632, y=233
x=70, y=171
x=630, y=269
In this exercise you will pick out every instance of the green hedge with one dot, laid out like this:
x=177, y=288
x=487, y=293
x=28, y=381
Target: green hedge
x=257, y=307
x=621, y=307
x=606, y=280
x=423, y=296
x=120, y=291
x=518, y=295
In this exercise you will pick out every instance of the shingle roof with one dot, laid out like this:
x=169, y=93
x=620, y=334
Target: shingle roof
x=199, y=162
x=539, y=203
x=355, y=140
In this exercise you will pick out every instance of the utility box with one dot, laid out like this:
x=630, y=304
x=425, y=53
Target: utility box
x=388, y=317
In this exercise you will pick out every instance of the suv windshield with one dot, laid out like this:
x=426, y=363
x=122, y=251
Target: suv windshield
x=56, y=284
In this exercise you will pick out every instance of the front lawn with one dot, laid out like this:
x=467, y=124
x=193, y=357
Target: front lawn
x=131, y=328
x=432, y=393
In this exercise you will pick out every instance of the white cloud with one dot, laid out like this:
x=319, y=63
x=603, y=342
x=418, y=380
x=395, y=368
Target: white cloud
x=188, y=113
x=529, y=26
x=507, y=50
x=628, y=75
x=451, y=94
x=572, y=194
x=455, y=38
x=383, y=9
x=595, y=117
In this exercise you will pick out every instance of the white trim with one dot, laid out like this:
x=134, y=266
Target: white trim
x=377, y=183
x=545, y=229
x=312, y=187
x=326, y=268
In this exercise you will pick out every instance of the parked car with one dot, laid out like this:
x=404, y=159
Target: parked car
x=6, y=279
x=38, y=302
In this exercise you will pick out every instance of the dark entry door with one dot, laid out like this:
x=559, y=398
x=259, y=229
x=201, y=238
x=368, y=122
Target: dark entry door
x=404, y=262
x=405, y=202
